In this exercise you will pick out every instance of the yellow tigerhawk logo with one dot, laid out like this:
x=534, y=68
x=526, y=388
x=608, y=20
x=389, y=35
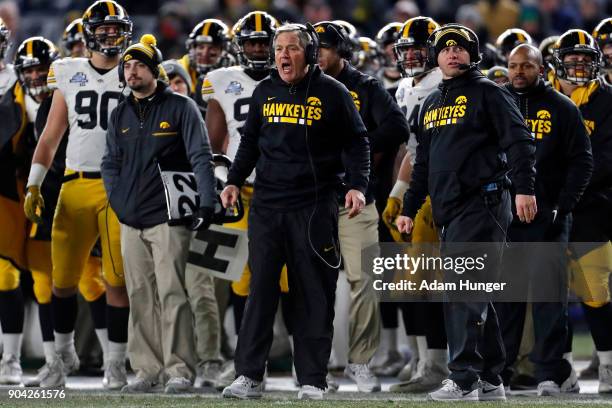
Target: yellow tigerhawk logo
x=356, y=100
x=461, y=100
x=320, y=29
x=451, y=43
x=446, y=115
x=590, y=125
x=277, y=112
x=540, y=126
x=543, y=114
x=164, y=125
x=313, y=101
x=127, y=58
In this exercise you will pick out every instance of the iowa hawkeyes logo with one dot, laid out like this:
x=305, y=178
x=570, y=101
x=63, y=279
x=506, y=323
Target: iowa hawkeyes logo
x=451, y=43
x=164, y=125
x=356, y=100
x=320, y=29
x=461, y=100
x=543, y=114
x=313, y=101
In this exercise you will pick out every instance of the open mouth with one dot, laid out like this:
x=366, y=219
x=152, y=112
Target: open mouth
x=286, y=67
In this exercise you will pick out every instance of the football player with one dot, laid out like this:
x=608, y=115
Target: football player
x=207, y=47
x=546, y=48
x=506, y=42
x=22, y=108
x=419, y=81
x=7, y=73
x=389, y=75
x=73, y=40
x=603, y=36
x=577, y=59
x=86, y=91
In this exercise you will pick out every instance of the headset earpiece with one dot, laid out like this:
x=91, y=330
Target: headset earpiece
x=312, y=49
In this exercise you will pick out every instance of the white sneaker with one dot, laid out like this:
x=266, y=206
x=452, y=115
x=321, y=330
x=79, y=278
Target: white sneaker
x=56, y=376
x=178, y=385
x=139, y=385
x=551, y=388
x=605, y=379
x=332, y=383
x=71, y=362
x=243, y=388
x=309, y=392
x=451, y=391
x=430, y=380
x=115, y=375
x=361, y=374
x=208, y=374
x=391, y=365
x=490, y=392
x=42, y=373
x=10, y=370
x=409, y=370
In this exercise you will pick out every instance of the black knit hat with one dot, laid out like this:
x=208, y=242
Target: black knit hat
x=145, y=51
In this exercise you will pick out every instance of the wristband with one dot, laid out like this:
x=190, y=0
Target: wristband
x=37, y=174
x=399, y=189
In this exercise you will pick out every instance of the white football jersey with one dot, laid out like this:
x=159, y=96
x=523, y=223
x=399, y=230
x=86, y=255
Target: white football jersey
x=7, y=78
x=232, y=88
x=90, y=97
x=410, y=97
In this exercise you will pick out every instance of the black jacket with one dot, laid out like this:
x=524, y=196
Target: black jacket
x=466, y=128
x=169, y=130
x=387, y=127
x=291, y=129
x=564, y=161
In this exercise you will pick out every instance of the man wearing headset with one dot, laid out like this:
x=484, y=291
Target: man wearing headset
x=387, y=129
x=466, y=128
x=300, y=123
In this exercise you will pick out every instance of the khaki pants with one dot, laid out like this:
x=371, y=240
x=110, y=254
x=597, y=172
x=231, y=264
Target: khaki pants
x=160, y=337
x=201, y=292
x=364, y=316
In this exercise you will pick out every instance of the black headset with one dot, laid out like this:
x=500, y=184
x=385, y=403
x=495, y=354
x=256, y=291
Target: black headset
x=473, y=45
x=158, y=58
x=312, y=49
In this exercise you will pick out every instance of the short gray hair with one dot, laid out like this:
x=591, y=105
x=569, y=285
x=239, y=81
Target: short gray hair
x=303, y=36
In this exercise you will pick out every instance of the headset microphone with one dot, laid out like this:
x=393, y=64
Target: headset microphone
x=465, y=67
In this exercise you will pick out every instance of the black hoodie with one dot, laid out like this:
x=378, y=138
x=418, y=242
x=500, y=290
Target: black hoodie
x=291, y=129
x=564, y=161
x=466, y=128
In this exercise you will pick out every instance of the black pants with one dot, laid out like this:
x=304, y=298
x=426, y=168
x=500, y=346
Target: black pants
x=476, y=349
x=550, y=319
x=278, y=238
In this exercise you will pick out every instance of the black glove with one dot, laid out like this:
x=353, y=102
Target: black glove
x=202, y=219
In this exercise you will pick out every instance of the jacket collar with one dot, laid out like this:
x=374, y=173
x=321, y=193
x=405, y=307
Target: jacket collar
x=310, y=75
x=537, y=88
x=161, y=92
x=467, y=76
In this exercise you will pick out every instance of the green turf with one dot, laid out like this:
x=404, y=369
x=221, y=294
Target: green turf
x=286, y=399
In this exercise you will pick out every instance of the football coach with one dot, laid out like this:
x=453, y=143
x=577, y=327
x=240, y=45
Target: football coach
x=466, y=128
x=300, y=122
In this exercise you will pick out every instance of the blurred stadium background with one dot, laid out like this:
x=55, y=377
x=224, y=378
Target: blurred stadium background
x=171, y=21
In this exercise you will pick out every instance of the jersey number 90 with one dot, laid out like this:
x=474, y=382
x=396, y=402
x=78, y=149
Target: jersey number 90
x=86, y=103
